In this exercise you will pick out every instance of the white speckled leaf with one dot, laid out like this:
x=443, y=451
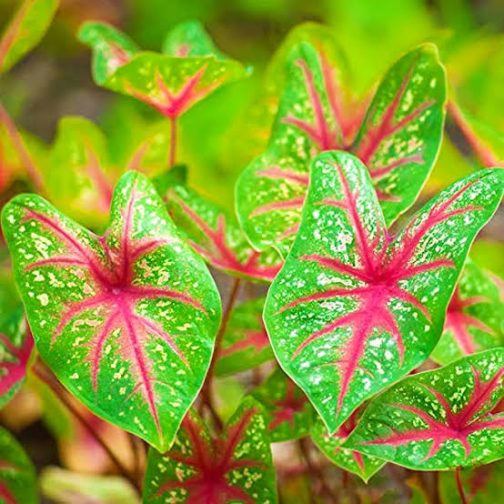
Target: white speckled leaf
x=126, y=320
x=398, y=140
x=440, y=419
x=354, y=308
x=234, y=468
x=475, y=317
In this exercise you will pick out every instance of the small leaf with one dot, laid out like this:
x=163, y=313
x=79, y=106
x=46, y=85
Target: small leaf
x=349, y=460
x=289, y=412
x=398, y=139
x=190, y=39
x=438, y=420
x=126, y=320
x=236, y=467
x=217, y=237
x=353, y=308
x=18, y=484
x=25, y=30
x=475, y=317
x=111, y=49
x=245, y=344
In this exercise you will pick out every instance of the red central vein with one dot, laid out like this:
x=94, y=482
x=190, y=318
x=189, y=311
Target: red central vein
x=14, y=370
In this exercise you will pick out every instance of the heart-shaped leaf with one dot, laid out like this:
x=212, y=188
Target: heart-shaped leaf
x=474, y=319
x=25, y=30
x=439, y=419
x=354, y=308
x=126, y=320
x=18, y=484
x=290, y=414
x=398, y=139
x=364, y=466
x=216, y=235
x=245, y=344
x=236, y=467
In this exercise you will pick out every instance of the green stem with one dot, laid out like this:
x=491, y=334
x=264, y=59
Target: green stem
x=173, y=141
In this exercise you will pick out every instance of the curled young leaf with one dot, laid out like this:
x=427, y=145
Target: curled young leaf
x=353, y=308
x=25, y=30
x=289, y=412
x=398, y=140
x=440, y=419
x=330, y=445
x=126, y=320
x=236, y=467
x=474, y=319
x=18, y=483
x=245, y=344
x=217, y=237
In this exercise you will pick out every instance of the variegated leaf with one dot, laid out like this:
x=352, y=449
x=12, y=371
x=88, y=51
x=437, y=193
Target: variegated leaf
x=235, y=467
x=126, y=320
x=474, y=319
x=353, y=461
x=439, y=420
x=354, y=308
x=398, y=139
x=290, y=414
x=216, y=236
x=245, y=344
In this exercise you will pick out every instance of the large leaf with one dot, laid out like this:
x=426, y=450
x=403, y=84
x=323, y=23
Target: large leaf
x=289, y=412
x=18, y=484
x=350, y=460
x=439, y=419
x=216, y=235
x=236, y=467
x=25, y=30
x=126, y=320
x=398, y=140
x=170, y=84
x=354, y=308
x=475, y=317
x=245, y=344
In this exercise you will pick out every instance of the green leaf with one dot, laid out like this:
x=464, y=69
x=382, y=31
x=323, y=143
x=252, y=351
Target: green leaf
x=398, y=139
x=354, y=308
x=25, y=30
x=475, y=317
x=349, y=460
x=190, y=39
x=236, y=467
x=18, y=484
x=216, y=235
x=111, y=49
x=289, y=412
x=438, y=420
x=245, y=344
x=126, y=320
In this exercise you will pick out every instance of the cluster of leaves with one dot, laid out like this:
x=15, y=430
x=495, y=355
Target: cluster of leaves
x=127, y=317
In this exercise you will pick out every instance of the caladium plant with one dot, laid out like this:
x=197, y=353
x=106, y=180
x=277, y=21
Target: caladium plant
x=440, y=419
x=397, y=138
x=235, y=467
x=355, y=308
x=126, y=320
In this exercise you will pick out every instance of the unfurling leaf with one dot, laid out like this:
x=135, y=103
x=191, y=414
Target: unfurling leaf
x=474, y=319
x=439, y=420
x=290, y=414
x=236, y=467
x=25, y=30
x=18, y=484
x=398, y=139
x=353, y=308
x=353, y=461
x=217, y=237
x=169, y=83
x=245, y=344
x=126, y=320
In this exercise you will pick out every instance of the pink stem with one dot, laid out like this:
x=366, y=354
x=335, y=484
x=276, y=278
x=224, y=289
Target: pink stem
x=173, y=141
